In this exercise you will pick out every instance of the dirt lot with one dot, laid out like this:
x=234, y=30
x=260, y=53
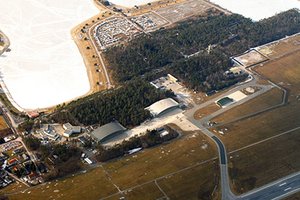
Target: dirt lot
x=251, y=58
x=181, y=11
x=264, y=101
x=245, y=165
x=282, y=47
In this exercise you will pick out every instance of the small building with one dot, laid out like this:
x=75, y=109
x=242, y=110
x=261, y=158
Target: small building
x=172, y=78
x=70, y=129
x=49, y=131
x=224, y=101
x=32, y=114
x=161, y=107
x=108, y=131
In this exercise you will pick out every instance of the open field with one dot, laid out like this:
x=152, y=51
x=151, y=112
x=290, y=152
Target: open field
x=196, y=183
x=250, y=58
x=285, y=72
x=91, y=185
x=187, y=151
x=206, y=111
x=246, y=165
x=264, y=101
x=281, y=47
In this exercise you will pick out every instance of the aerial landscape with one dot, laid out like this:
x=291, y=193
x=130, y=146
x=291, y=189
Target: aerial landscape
x=150, y=99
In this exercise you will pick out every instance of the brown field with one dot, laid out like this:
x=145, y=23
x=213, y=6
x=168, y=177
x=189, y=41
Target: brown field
x=206, y=111
x=156, y=162
x=259, y=167
x=91, y=185
x=251, y=58
x=148, y=192
x=264, y=101
x=294, y=197
x=278, y=49
x=285, y=72
x=196, y=183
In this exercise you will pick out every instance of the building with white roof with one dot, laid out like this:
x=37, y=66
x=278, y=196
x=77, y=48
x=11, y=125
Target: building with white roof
x=161, y=107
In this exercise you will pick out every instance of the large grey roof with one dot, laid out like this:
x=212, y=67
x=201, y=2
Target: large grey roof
x=106, y=130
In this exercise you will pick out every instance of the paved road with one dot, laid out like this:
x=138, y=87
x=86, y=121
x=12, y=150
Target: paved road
x=275, y=190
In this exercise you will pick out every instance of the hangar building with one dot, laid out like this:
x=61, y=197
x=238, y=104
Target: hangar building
x=108, y=131
x=163, y=106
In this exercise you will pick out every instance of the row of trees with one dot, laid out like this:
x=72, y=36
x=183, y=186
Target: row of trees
x=125, y=104
x=168, y=49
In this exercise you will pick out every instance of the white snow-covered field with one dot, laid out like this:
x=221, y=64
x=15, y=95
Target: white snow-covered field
x=130, y=3
x=257, y=9
x=44, y=67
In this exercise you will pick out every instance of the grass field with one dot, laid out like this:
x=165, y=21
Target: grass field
x=247, y=174
x=156, y=162
x=264, y=101
x=278, y=49
x=206, y=111
x=188, y=185
x=92, y=185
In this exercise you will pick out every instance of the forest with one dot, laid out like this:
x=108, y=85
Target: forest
x=125, y=104
x=171, y=49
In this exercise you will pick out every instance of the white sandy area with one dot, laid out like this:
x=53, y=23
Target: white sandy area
x=237, y=96
x=257, y=9
x=130, y=3
x=44, y=67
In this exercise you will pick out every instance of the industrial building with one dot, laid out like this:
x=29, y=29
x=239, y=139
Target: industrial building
x=70, y=129
x=224, y=102
x=108, y=131
x=163, y=106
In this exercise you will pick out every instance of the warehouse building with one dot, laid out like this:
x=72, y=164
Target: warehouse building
x=108, y=131
x=226, y=101
x=162, y=107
